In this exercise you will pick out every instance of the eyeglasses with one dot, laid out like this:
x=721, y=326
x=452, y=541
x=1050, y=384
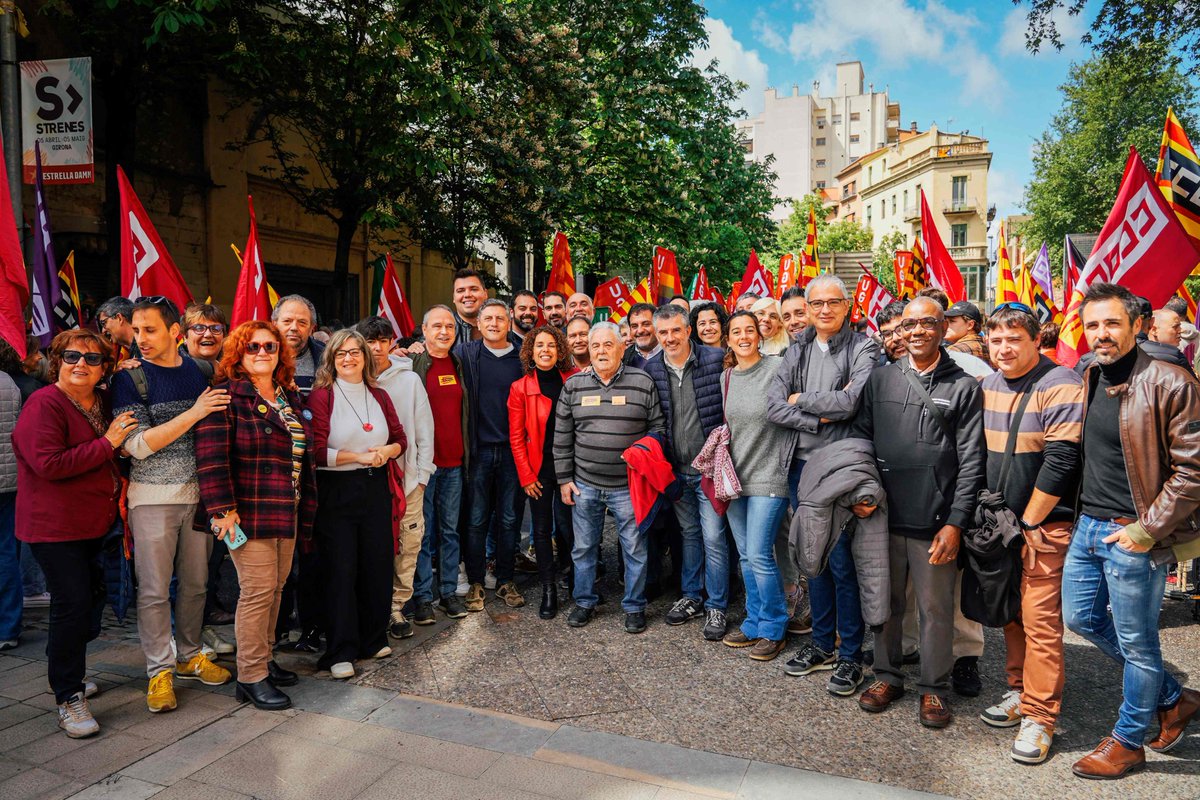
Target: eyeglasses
x=817, y=305
x=270, y=348
x=200, y=330
x=341, y=355
x=1013, y=304
x=928, y=323
x=91, y=359
x=889, y=333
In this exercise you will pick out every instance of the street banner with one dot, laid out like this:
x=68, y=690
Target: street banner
x=14, y=286
x=251, y=300
x=45, y=296
x=1178, y=178
x=614, y=294
x=1142, y=247
x=942, y=269
x=393, y=305
x=665, y=282
x=146, y=267
x=56, y=110
x=756, y=279
x=562, y=274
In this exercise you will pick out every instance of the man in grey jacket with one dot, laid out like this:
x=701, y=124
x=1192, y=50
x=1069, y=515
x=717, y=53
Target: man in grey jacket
x=407, y=391
x=817, y=392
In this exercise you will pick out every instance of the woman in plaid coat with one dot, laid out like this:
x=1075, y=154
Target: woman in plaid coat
x=257, y=473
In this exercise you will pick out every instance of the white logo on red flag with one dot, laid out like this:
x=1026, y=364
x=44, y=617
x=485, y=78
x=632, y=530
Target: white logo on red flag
x=1120, y=252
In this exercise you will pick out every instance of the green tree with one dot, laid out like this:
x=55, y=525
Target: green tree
x=883, y=262
x=1120, y=26
x=1110, y=102
x=837, y=236
x=845, y=236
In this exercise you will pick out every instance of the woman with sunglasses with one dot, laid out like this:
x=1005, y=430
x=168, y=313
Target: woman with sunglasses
x=258, y=479
x=65, y=445
x=356, y=433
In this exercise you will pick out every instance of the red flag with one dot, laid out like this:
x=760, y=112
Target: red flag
x=941, y=266
x=1073, y=262
x=146, y=266
x=613, y=294
x=735, y=291
x=665, y=282
x=14, y=283
x=703, y=289
x=789, y=274
x=1142, y=247
x=250, y=301
x=756, y=279
x=393, y=305
x=562, y=275
x=870, y=297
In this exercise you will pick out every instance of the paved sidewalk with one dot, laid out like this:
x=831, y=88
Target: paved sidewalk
x=344, y=741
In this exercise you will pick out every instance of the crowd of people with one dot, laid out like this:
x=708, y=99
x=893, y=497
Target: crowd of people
x=942, y=474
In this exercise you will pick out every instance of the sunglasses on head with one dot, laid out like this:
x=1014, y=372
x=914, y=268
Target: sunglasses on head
x=158, y=300
x=91, y=359
x=270, y=348
x=1013, y=304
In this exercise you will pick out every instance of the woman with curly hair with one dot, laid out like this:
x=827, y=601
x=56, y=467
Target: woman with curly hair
x=531, y=401
x=709, y=324
x=257, y=477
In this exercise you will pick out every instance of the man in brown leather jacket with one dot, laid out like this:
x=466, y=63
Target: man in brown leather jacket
x=1138, y=500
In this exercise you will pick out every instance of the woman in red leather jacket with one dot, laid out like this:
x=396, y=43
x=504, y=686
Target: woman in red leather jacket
x=531, y=402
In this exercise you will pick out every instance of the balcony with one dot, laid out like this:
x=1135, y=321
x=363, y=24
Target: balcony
x=960, y=205
x=912, y=212
x=972, y=252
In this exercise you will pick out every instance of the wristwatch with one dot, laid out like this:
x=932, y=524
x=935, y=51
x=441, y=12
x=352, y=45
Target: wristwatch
x=1026, y=526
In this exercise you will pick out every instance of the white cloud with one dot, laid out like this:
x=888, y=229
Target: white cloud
x=1012, y=40
x=735, y=61
x=768, y=33
x=1006, y=191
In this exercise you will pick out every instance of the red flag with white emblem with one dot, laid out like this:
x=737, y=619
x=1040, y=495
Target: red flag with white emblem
x=393, y=305
x=146, y=267
x=251, y=301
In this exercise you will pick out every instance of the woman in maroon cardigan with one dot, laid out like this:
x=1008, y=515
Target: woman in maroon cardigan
x=255, y=468
x=356, y=433
x=65, y=445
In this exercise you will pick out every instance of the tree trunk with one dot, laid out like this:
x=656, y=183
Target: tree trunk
x=347, y=227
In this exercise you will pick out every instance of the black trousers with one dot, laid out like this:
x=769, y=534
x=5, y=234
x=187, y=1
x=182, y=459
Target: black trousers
x=354, y=534
x=75, y=580
x=551, y=520
x=215, y=560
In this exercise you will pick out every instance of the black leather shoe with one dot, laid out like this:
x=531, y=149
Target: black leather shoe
x=549, y=609
x=635, y=622
x=580, y=616
x=279, y=676
x=964, y=678
x=263, y=695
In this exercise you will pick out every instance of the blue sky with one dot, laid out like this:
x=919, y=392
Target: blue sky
x=961, y=64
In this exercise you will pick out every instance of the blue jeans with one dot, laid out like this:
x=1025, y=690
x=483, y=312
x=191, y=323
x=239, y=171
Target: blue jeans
x=1097, y=575
x=705, y=554
x=443, y=496
x=493, y=487
x=12, y=600
x=753, y=521
x=833, y=595
x=588, y=520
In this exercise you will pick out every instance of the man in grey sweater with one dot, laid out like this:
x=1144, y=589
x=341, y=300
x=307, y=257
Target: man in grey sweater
x=817, y=392
x=599, y=414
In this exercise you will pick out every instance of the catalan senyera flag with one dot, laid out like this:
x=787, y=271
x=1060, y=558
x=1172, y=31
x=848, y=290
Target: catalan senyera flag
x=920, y=269
x=1006, y=285
x=1178, y=178
x=944, y=272
x=810, y=260
x=1142, y=247
x=393, y=304
x=789, y=274
x=562, y=274
x=1191, y=303
x=665, y=282
x=67, y=310
x=614, y=295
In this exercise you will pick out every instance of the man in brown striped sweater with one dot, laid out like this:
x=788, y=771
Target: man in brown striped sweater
x=1038, y=484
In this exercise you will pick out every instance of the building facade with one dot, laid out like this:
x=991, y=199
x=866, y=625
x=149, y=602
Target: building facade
x=813, y=137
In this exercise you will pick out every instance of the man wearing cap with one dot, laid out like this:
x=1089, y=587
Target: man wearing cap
x=963, y=331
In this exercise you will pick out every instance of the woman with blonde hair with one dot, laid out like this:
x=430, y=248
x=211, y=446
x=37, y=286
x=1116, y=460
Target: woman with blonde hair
x=356, y=433
x=770, y=326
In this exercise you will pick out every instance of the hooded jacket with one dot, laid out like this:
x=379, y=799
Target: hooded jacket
x=844, y=475
x=407, y=391
x=931, y=480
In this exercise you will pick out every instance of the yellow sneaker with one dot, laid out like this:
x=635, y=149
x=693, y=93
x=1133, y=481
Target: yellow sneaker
x=200, y=668
x=161, y=695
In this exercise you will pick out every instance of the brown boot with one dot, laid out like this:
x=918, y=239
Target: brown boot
x=1109, y=760
x=1173, y=721
x=767, y=649
x=934, y=711
x=879, y=696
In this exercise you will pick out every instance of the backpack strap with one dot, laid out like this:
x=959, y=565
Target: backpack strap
x=1014, y=429
x=138, y=376
x=931, y=406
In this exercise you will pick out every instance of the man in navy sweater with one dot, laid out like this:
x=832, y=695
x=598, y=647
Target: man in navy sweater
x=491, y=365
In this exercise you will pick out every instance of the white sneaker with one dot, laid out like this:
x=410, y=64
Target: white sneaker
x=37, y=600
x=342, y=670
x=76, y=718
x=1033, y=743
x=464, y=585
x=1006, y=713
x=90, y=689
x=215, y=642
x=489, y=580
x=384, y=652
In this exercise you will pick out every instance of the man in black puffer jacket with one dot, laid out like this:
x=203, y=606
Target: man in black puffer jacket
x=925, y=416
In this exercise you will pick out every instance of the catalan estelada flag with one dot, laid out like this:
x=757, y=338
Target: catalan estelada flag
x=1178, y=178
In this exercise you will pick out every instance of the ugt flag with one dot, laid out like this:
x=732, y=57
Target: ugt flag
x=146, y=267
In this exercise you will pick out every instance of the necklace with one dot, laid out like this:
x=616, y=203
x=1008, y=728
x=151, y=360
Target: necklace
x=366, y=426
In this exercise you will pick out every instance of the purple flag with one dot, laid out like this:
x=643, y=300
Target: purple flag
x=1041, y=272
x=44, y=292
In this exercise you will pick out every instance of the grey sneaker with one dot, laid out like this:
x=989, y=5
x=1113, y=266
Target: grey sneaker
x=685, y=609
x=799, y=613
x=714, y=625
x=76, y=718
x=847, y=677
x=810, y=659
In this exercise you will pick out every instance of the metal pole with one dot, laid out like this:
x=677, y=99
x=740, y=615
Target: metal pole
x=10, y=109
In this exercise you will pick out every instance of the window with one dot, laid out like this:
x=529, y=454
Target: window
x=820, y=162
x=906, y=199
x=820, y=123
x=893, y=205
x=870, y=175
x=973, y=276
x=882, y=209
x=837, y=119
x=958, y=235
x=820, y=184
x=748, y=145
x=958, y=190
x=820, y=141
x=855, y=116
x=854, y=138
x=868, y=216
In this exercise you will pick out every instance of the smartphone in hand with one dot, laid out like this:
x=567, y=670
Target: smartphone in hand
x=236, y=537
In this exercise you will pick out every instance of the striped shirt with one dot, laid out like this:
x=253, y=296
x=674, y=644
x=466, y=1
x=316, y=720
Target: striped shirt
x=299, y=441
x=595, y=423
x=1047, y=447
